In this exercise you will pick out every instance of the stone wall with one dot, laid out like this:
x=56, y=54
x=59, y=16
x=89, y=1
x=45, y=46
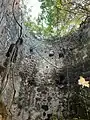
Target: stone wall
x=37, y=84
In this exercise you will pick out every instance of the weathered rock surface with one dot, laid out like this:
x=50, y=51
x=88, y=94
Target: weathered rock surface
x=36, y=85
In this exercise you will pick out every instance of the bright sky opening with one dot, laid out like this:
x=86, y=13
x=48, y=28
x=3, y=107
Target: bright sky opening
x=34, y=5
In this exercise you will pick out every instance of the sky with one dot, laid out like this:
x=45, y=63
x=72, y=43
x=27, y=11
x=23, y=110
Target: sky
x=35, y=5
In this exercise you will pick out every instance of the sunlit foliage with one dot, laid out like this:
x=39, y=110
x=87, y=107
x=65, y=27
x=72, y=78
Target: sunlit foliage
x=59, y=17
x=82, y=82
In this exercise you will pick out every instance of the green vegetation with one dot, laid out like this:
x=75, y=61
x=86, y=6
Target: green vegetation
x=59, y=17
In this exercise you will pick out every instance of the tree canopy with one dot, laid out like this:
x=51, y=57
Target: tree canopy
x=59, y=17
